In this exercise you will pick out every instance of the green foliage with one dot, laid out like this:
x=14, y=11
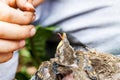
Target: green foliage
x=34, y=52
x=36, y=45
x=23, y=75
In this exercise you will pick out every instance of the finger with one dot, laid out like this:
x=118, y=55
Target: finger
x=12, y=15
x=7, y=46
x=36, y=2
x=15, y=32
x=25, y=5
x=22, y=4
x=11, y=3
x=5, y=57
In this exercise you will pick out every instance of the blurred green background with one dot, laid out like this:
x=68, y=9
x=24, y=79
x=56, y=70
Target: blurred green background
x=33, y=53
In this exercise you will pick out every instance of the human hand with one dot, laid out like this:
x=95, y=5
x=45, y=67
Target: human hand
x=14, y=29
x=35, y=3
x=23, y=4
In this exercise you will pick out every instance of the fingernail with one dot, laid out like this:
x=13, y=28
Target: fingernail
x=32, y=32
x=22, y=43
x=30, y=6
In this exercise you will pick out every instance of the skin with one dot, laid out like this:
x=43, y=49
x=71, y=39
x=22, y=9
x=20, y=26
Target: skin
x=23, y=4
x=15, y=17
